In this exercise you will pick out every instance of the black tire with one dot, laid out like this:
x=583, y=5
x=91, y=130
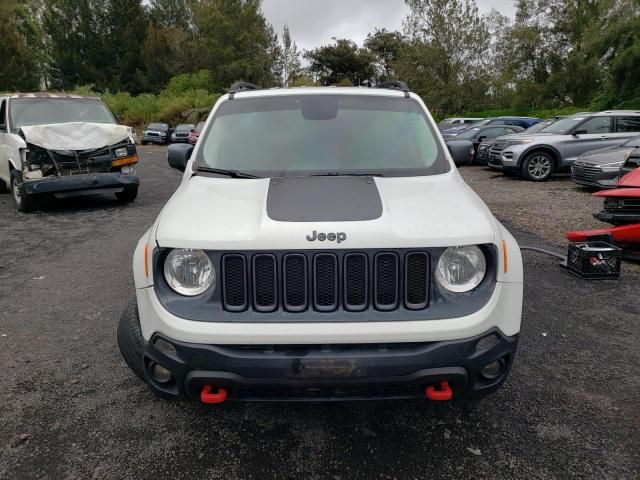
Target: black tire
x=537, y=166
x=23, y=203
x=130, y=339
x=127, y=195
x=3, y=187
x=142, y=142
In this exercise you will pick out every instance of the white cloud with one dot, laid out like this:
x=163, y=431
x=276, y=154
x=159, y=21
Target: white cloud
x=315, y=22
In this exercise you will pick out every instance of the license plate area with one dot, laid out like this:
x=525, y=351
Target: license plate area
x=328, y=368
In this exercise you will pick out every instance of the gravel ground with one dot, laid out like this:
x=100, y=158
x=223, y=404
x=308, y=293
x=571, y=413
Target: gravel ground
x=70, y=408
x=547, y=208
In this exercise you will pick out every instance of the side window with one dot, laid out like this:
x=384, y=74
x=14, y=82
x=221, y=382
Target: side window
x=627, y=124
x=3, y=115
x=596, y=125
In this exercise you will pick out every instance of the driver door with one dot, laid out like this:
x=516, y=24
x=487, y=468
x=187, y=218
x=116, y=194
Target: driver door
x=592, y=134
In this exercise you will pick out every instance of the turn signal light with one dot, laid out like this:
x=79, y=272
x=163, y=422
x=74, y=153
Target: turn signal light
x=124, y=161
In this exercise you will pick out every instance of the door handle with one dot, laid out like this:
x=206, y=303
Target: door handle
x=603, y=137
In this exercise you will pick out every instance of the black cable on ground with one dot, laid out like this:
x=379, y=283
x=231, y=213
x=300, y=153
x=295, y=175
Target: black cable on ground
x=546, y=252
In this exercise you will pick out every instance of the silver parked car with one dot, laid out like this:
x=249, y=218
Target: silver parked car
x=601, y=168
x=536, y=157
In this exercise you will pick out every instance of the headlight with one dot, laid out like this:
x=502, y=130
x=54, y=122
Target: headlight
x=189, y=272
x=121, y=152
x=520, y=141
x=461, y=269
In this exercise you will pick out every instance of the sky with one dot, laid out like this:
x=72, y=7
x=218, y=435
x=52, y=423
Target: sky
x=314, y=22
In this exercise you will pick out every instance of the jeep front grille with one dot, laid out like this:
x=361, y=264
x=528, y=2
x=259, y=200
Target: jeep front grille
x=325, y=281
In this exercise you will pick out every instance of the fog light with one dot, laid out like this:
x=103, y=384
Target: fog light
x=164, y=346
x=486, y=343
x=493, y=370
x=160, y=374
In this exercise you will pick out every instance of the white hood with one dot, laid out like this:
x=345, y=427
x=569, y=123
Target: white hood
x=231, y=214
x=75, y=135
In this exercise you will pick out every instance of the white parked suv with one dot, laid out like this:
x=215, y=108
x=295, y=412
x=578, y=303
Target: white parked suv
x=321, y=246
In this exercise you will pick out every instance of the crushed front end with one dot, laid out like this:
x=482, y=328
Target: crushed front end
x=65, y=173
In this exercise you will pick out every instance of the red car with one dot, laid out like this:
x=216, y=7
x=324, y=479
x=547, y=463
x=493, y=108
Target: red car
x=621, y=209
x=195, y=133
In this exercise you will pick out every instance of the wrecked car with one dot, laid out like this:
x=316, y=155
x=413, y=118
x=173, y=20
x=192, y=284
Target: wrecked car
x=622, y=210
x=63, y=145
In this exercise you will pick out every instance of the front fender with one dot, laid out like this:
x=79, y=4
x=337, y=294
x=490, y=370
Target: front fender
x=543, y=147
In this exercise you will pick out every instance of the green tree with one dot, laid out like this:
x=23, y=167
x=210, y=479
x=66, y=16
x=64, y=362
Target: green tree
x=233, y=40
x=171, y=13
x=125, y=36
x=341, y=61
x=448, y=52
x=291, y=64
x=386, y=47
x=20, y=67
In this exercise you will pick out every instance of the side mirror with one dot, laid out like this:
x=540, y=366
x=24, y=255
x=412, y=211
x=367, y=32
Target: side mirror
x=579, y=132
x=178, y=155
x=482, y=138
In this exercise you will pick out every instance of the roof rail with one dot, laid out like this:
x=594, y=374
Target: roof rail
x=239, y=87
x=395, y=85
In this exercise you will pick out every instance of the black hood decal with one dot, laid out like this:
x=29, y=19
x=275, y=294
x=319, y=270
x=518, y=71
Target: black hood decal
x=323, y=199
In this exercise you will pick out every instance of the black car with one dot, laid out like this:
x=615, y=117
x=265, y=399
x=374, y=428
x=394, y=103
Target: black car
x=464, y=147
x=159, y=133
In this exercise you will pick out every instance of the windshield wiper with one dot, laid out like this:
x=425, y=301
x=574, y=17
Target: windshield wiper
x=340, y=174
x=229, y=173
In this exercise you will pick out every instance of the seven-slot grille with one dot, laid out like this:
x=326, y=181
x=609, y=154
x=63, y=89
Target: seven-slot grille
x=325, y=281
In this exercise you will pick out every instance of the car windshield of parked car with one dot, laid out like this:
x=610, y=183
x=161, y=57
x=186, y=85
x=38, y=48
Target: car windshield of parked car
x=184, y=128
x=564, y=126
x=24, y=112
x=289, y=135
x=480, y=123
x=468, y=134
x=538, y=127
x=158, y=126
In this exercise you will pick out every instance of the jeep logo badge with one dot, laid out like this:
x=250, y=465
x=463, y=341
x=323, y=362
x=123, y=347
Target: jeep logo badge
x=332, y=237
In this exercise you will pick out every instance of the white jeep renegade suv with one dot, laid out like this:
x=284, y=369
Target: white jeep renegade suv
x=322, y=246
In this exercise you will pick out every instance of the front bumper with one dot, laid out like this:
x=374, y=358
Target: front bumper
x=618, y=218
x=331, y=372
x=154, y=139
x=594, y=177
x=75, y=185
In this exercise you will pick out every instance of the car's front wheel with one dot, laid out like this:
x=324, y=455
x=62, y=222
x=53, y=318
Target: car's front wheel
x=22, y=202
x=130, y=340
x=537, y=166
x=127, y=196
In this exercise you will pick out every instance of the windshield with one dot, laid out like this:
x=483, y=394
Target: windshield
x=565, y=125
x=634, y=142
x=24, y=112
x=158, y=126
x=469, y=133
x=322, y=134
x=538, y=127
x=480, y=123
x=184, y=128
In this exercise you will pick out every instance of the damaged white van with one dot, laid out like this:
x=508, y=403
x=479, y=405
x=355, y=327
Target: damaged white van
x=322, y=246
x=55, y=144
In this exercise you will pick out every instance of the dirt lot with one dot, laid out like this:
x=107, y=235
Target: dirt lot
x=70, y=408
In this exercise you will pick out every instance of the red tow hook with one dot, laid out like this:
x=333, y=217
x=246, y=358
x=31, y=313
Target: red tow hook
x=207, y=396
x=443, y=394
